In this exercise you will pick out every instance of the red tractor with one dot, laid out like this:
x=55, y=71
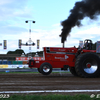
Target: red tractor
x=83, y=62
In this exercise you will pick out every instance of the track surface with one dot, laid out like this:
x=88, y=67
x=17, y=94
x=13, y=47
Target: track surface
x=55, y=81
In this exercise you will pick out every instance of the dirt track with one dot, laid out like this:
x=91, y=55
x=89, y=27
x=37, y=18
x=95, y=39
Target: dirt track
x=55, y=81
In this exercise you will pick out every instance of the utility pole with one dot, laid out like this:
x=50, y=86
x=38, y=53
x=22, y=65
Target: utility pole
x=30, y=40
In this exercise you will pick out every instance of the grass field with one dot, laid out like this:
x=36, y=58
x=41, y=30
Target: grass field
x=50, y=97
x=27, y=72
x=16, y=72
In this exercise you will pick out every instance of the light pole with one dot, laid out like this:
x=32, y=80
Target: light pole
x=30, y=40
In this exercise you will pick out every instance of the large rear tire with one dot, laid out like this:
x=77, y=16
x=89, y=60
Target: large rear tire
x=45, y=68
x=88, y=65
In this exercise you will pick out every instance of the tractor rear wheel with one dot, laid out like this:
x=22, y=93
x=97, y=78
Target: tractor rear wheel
x=73, y=71
x=88, y=65
x=45, y=68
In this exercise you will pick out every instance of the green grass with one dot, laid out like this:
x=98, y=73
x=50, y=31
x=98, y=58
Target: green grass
x=27, y=72
x=50, y=97
x=17, y=72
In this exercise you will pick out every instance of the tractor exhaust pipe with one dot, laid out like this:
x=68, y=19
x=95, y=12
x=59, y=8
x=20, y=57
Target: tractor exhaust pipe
x=63, y=45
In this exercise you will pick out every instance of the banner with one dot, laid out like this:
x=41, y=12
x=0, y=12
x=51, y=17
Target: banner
x=18, y=66
x=20, y=42
x=5, y=44
x=27, y=58
x=0, y=44
x=3, y=66
x=98, y=47
x=81, y=44
x=38, y=41
x=22, y=58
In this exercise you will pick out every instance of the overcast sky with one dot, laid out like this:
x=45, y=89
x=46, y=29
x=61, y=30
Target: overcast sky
x=48, y=15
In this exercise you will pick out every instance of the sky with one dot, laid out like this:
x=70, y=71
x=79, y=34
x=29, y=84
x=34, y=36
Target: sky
x=48, y=15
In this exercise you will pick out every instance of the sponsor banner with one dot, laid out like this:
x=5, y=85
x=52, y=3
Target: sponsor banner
x=27, y=58
x=37, y=58
x=14, y=66
x=5, y=44
x=98, y=47
x=25, y=66
x=81, y=44
x=0, y=44
x=9, y=66
x=20, y=42
x=38, y=43
x=3, y=66
x=22, y=58
x=25, y=62
x=17, y=66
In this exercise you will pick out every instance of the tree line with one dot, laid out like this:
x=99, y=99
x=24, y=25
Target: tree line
x=20, y=51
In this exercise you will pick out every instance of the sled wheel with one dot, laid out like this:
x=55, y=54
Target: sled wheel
x=45, y=68
x=88, y=65
x=73, y=71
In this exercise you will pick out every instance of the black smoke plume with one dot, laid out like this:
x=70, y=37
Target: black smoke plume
x=82, y=9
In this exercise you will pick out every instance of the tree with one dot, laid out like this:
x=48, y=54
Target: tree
x=17, y=51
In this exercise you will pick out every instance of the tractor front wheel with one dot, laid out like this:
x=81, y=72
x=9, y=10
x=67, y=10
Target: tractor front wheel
x=38, y=70
x=88, y=65
x=73, y=71
x=45, y=68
